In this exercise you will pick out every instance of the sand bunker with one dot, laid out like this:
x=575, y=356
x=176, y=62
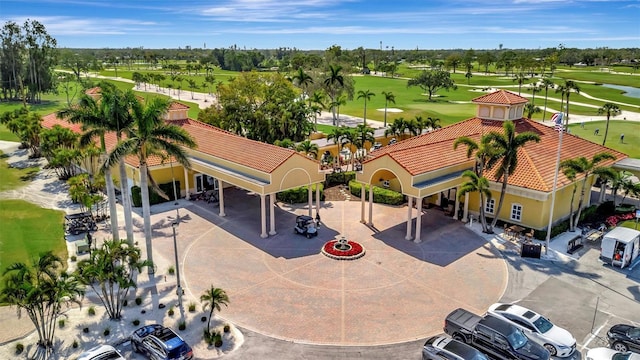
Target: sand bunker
x=392, y=110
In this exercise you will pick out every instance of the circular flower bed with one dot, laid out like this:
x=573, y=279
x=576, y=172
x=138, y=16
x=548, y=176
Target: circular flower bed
x=341, y=250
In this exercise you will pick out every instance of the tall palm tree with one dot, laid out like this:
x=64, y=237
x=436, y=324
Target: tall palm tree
x=570, y=173
x=308, y=148
x=546, y=84
x=585, y=168
x=335, y=105
x=484, y=153
x=566, y=89
x=481, y=185
x=366, y=95
x=317, y=100
x=388, y=98
x=212, y=300
x=610, y=110
x=151, y=135
x=333, y=83
x=621, y=180
x=520, y=77
x=302, y=80
x=41, y=290
x=95, y=120
x=508, y=143
x=362, y=135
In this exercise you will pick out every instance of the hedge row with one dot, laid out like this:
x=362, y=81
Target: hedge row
x=339, y=178
x=380, y=195
x=300, y=194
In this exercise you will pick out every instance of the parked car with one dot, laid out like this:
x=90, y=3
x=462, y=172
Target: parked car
x=493, y=336
x=443, y=347
x=101, y=352
x=160, y=343
x=603, y=353
x=624, y=338
x=536, y=327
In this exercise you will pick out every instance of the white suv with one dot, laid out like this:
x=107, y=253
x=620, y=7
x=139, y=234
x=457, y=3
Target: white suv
x=537, y=328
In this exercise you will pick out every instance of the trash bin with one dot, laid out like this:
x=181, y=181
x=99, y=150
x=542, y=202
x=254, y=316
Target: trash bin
x=531, y=251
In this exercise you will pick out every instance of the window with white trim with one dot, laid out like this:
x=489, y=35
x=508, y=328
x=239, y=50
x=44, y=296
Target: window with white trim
x=489, y=206
x=516, y=212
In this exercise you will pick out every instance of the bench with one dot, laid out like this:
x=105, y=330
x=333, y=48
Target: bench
x=574, y=245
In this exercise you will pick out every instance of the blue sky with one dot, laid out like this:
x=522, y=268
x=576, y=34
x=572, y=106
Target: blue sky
x=318, y=24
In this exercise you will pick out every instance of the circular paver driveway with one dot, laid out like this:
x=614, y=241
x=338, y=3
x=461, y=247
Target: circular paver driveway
x=284, y=287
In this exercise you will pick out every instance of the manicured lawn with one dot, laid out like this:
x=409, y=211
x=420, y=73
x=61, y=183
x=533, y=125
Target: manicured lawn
x=12, y=178
x=7, y=135
x=617, y=127
x=27, y=231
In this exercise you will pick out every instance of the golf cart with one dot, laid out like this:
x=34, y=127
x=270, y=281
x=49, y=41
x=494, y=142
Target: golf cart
x=306, y=225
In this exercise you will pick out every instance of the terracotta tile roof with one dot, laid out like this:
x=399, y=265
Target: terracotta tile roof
x=231, y=147
x=177, y=106
x=210, y=140
x=536, y=161
x=501, y=97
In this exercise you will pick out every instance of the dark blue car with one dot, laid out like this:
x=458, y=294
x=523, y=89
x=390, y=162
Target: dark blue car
x=160, y=343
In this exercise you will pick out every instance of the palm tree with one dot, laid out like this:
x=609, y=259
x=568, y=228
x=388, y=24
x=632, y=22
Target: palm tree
x=317, y=100
x=507, y=143
x=546, y=84
x=484, y=154
x=308, y=148
x=110, y=271
x=285, y=143
x=335, y=105
x=397, y=128
x=302, y=80
x=566, y=89
x=95, y=119
x=362, y=135
x=481, y=185
x=41, y=290
x=151, y=135
x=337, y=135
x=388, y=98
x=531, y=109
x=571, y=175
x=520, y=77
x=621, y=180
x=212, y=300
x=585, y=167
x=432, y=123
x=610, y=110
x=366, y=95
x=333, y=83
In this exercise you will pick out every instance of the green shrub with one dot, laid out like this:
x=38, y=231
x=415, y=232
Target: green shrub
x=192, y=307
x=125, y=302
x=154, y=198
x=73, y=258
x=299, y=194
x=92, y=310
x=606, y=208
x=106, y=332
x=339, y=178
x=182, y=325
x=226, y=328
x=171, y=311
x=171, y=270
x=135, y=322
x=61, y=323
x=75, y=344
x=138, y=300
x=217, y=340
x=19, y=348
x=380, y=195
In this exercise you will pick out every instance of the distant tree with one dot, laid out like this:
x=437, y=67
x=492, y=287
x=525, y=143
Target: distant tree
x=610, y=109
x=366, y=95
x=546, y=84
x=453, y=61
x=432, y=81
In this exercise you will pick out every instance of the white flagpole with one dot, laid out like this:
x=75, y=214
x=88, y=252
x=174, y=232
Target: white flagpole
x=553, y=193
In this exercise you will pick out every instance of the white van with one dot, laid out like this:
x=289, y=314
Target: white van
x=620, y=246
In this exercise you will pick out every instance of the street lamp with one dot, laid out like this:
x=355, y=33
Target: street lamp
x=174, y=225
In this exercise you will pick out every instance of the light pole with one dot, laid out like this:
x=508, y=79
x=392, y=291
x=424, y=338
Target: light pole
x=174, y=225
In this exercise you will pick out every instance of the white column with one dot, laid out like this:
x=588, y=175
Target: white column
x=263, y=217
x=457, y=204
x=409, y=208
x=310, y=200
x=221, y=197
x=418, y=239
x=318, y=198
x=272, y=214
x=439, y=198
x=186, y=184
x=362, y=198
x=465, y=209
x=370, y=205
x=603, y=192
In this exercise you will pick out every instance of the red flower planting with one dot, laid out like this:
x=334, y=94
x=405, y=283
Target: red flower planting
x=353, y=251
x=613, y=220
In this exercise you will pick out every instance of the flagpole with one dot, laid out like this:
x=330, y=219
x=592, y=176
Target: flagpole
x=555, y=185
